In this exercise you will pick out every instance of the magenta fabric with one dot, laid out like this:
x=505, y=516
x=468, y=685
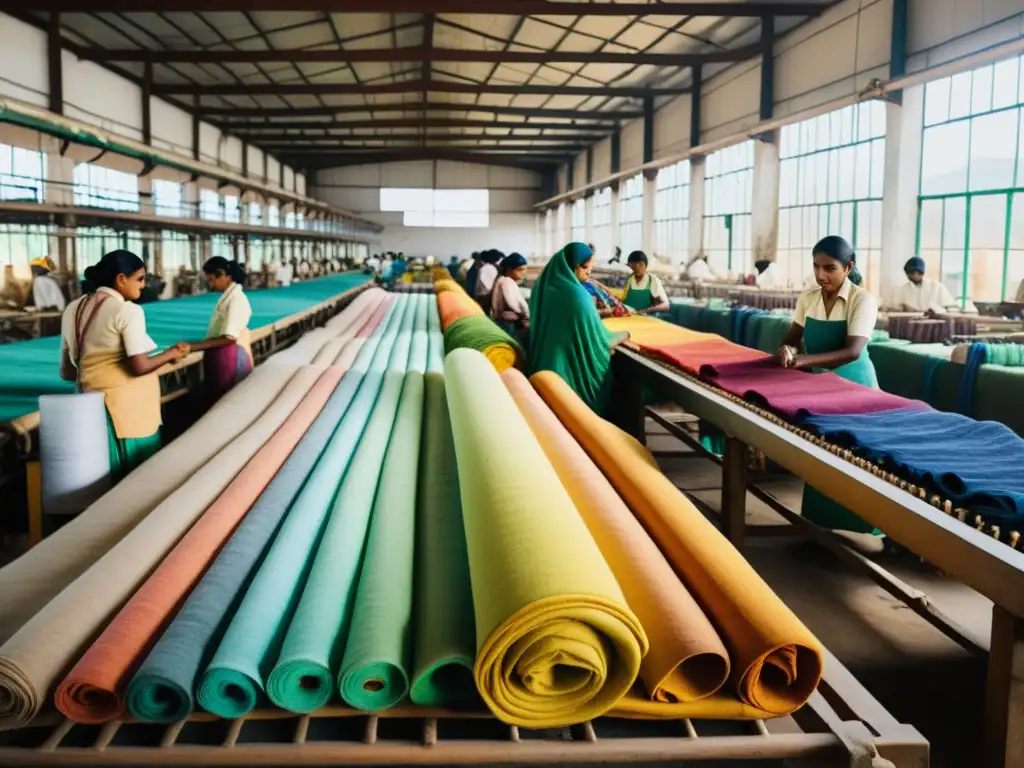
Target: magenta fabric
x=705, y=358
x=224, y=367
x=796, y=395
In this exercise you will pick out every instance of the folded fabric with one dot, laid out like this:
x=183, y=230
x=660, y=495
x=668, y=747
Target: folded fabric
x=977, y=464
x=93, y=690
x=687, y=660
x=707, y=356
x=776, y=661
x=482, y=334
x=798, y=394
x=645, y=331
x=557, y=643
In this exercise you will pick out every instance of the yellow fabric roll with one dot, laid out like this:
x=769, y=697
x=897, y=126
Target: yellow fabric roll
x=440, y=286
x=776, y=661
x=501, y=356
x=644, y=331
x=556, y=642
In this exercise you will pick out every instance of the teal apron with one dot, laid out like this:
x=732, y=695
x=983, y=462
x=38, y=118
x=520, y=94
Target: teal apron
x=636, y=298
x=821, y=336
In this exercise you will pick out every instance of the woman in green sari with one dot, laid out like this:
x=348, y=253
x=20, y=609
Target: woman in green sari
x=566, y=332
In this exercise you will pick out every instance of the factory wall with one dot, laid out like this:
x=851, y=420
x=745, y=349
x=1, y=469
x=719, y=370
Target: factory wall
x=513, y=193
x=103, y=98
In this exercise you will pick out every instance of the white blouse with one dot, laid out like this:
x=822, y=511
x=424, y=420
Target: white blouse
x=119, y=326
x=856, y=305
x=231, y=315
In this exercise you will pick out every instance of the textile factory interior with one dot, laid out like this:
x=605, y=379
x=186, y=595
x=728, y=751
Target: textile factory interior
x=529, y=381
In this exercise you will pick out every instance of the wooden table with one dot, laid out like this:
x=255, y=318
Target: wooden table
x=992, y=568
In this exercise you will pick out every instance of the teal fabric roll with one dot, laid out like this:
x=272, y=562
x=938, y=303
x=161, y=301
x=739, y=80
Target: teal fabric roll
x=375, y=669
x=233, y=683
x=161, y=689
x=303, y=680
x=445, y=633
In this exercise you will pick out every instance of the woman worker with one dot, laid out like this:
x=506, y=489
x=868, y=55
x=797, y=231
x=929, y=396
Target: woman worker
x=105, y=348
x=835, y=321
x=228, y=356
x=486, y=276
x=644, y=293
x=509, y=308
x=566, y=332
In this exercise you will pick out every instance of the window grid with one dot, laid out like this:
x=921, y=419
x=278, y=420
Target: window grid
x=20, y=243
x=168, y=198
x=99, y=187
x=21, y=174
x=672, y=213
x=971, y=200
x=831, y=176
x=603, y=223
x=631, y=214
x=579, y=221
x=728, y=176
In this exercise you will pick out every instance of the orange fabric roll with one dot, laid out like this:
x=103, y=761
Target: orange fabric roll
x=776, y=661
x=93, y=690
x=454, y=305
x=687, y=660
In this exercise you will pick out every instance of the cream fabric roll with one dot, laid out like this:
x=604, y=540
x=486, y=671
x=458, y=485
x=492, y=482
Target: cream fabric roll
x=32, y=661
x=74, y=451
x=38, y=575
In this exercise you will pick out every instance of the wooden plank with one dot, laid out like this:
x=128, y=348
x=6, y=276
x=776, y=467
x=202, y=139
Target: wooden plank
x=734, y=492
x=1004, y=697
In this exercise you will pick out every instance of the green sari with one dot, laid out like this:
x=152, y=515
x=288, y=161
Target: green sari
x=127, y=453
x=566, y=332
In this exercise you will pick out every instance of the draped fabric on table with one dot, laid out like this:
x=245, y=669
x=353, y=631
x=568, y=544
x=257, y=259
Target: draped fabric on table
x=776, y=661
x=556, y=641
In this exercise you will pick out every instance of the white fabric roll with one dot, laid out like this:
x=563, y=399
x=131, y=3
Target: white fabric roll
x=74, y=451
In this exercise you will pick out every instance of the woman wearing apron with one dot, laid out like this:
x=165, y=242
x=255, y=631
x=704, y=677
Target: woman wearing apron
x=834, y=321
x=644, y=293
x=105, y=348
x=227, y=356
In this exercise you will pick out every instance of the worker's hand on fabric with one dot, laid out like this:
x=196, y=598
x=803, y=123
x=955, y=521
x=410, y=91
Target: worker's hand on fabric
x=181, y=349
x=786, y=356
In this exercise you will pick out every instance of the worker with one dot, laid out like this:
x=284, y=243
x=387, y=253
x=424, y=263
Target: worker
x=644, y=293
x=920, y=294
x=283, y=274
x=485, y=278
x=453, y=267
x=227, y=357
x=834, y=322
x=509, y=307
x=471, y=273
x=767, y=274
x=105, y=348
x=698, y=268
x=566, y=332
x=398, y=268
x=46, y=293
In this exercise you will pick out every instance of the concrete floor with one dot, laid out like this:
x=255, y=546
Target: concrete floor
x=921, y=677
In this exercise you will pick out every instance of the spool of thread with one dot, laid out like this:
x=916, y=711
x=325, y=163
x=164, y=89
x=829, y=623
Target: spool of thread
x=74, y=451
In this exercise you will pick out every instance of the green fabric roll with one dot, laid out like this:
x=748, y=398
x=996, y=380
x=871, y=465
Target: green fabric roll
x=445, y=638
x=772, y=330
x=233, y=682
x=302, y=679
x=477, y=332
x=375, y=669
x=566, y=332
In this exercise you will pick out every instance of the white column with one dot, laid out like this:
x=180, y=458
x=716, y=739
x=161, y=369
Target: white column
x=538, y=236
x=190, y=200
x=647, y=239
x=764, y=218
x=613, y=238
x=696, y=208
x=902, y=182
x=145, y=195
x=58, y=189
x=588, y=217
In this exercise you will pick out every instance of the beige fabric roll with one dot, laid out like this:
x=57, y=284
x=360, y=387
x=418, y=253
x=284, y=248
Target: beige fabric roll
x=347, y=355
x=330, y=351
x=306, y=349
x=371, y=297
x=32, y=661
x=29, y=582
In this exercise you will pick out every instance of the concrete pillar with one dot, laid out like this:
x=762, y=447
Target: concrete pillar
x=764, y=212
x=648, y=244
x=190, y=200
x=58, y=188
x=588, y=218
x=613, y=238
x=696, y=207
x=902, y=182
x=565, y=222
x=146, y=196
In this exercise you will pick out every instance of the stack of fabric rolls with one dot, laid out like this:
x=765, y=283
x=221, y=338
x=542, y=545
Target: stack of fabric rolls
x=958, y=460
x=360, y=540
x=465, y=326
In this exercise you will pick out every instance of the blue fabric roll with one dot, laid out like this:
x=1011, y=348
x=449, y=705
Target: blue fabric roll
x=73, y=451
x=162, y=689
x=931, y=365
x=977, y=464
x=965, y=393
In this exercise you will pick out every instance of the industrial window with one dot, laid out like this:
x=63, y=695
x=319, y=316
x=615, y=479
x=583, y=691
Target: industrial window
x=168, y=198
x=631, y=214
x=289, y=220
x=255, y=214
x=99, y=187
x=91, y=243
x=562, y=224
x=728, y=178
x=175, y=253
x=603, y=224
x=20, y=243
x=551, y=244
x=273, y=216
x=21, y=174
x=579, y=220
x=672, y=213
x=232, y=209
x=970, y=227
x=437, y=207
x=830, y=183
x=210, y=207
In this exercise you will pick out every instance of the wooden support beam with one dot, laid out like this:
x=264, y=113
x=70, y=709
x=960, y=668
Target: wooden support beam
x=767, y=68
x=255, y=129
x=147, y=97
x=268, y=113
x=734, y=492
x=196, y=148
x=616, y=158
x=56, y=70
x=899, y=45
x=695, y=104
x=648, y=129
